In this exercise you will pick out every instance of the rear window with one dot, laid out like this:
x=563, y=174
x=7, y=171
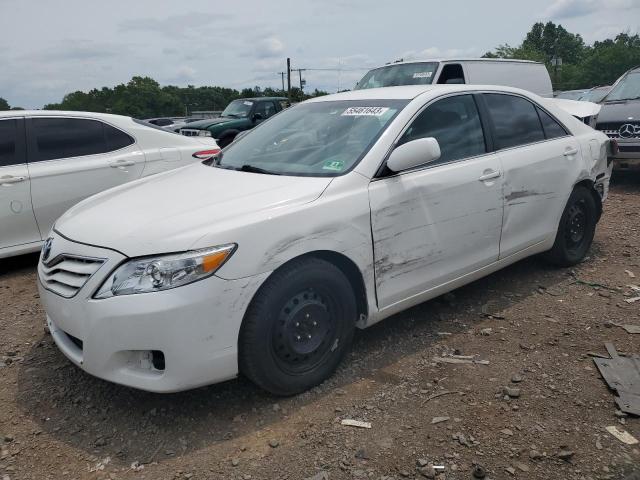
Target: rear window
x=515, y=120
x=552, y=129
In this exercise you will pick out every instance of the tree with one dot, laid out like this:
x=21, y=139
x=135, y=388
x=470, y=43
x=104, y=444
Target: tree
x=4, y=105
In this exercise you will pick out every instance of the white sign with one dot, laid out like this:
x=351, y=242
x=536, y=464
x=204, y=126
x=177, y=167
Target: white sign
x=365, y=111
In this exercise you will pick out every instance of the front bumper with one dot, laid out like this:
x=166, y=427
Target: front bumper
x=195, y=327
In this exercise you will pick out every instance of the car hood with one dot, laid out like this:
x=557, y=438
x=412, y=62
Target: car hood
x=171, y=211
x=204, y=124
x=579, y=109
x=620, y=111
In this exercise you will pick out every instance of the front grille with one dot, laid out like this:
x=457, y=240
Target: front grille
x=66, y=274
x=189, y=132
x=620, y=129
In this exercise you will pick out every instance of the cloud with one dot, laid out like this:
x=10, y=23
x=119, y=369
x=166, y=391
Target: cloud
x=435, y=52
x=269, y=47
x=72, y=50
x=177, y=26
x=184, y=74
x=560, y=9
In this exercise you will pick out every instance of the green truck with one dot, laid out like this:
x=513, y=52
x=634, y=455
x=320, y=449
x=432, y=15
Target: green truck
x=240, y=115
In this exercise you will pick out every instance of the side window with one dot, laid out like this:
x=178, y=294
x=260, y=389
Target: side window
x=261, y=108
x=116, y=139
x=552, y=129
x=452, y=73
x=270, y=109
x=515, y=120
x=8, y=142
x=67, y=137
x=455, y=123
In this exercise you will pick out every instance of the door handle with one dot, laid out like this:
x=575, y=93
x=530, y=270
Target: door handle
x=490, y=175
x=9, y=179
x=123, y=163
x=570, y=151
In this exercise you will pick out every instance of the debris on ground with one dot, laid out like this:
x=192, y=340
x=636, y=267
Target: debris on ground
x=632, y=299
x=622, y=435
x=630, y=273
x=355, y=423
x=622, y=374
x=460, y=359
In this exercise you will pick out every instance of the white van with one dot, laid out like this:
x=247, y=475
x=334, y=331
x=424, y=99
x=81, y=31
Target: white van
x=525, y=74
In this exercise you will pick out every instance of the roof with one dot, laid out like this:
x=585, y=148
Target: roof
x=489, y=60
x=255, y=99
x=409, y=92
x=59, y=113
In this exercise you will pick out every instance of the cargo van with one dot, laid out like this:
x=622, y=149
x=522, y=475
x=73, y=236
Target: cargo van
x=525, y=74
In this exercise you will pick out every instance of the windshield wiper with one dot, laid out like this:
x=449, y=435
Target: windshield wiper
x=233, y=115
x=621, y=99
x=252, y=169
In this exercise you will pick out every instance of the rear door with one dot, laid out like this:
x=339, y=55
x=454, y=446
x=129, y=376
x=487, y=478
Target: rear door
x=17, y=222
x=539, y=161
x=71, y=159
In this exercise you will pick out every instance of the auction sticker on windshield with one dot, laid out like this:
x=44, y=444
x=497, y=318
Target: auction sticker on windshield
x=422, y=74
x=248, y=103
x=365, y=111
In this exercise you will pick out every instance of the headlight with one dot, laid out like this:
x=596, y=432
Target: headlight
x=204, y=133
x=154, y=274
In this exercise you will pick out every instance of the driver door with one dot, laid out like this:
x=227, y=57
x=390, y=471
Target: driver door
x=438, y=222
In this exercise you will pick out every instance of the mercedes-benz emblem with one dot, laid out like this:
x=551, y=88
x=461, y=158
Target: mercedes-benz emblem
x=627, y=130
x=46, y=249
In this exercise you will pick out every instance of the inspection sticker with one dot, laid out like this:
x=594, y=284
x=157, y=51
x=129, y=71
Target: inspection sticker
x=334, y=165
x=248, y=103
x=422, y=74
x=365, y=111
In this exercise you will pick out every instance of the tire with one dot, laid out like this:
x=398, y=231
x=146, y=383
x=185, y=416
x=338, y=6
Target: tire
x=226, y=138
x=298, y=327
x=576, y=230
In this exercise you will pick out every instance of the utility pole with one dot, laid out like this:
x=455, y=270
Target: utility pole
x=282, y=74
x=289, y=79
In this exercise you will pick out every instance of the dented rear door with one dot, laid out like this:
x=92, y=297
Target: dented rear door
x=540, y=161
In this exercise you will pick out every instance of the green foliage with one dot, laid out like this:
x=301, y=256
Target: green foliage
x=143, y=97
x=583, y=66
x=4, y=105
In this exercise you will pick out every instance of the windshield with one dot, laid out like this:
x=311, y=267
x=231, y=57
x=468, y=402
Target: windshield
x=399, y=74
x=237, y=108
x=323, y=139
x=595, y=95
x=627, y=89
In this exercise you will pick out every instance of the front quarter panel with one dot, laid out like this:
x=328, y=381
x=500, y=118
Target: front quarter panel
x=338, y=221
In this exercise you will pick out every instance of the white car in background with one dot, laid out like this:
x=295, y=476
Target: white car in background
x=50, y=160
x=334, y=214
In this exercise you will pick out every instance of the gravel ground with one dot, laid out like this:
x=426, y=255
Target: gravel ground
x=537, y=410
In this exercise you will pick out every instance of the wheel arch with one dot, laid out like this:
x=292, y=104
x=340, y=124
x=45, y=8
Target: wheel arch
x=590, y=186
x=346, y=265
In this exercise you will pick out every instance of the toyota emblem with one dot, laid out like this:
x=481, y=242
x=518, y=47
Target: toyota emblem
x=627, y=130
x=46, y=249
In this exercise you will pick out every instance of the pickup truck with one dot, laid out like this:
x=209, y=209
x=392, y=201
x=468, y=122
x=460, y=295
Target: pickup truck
x=240, y=115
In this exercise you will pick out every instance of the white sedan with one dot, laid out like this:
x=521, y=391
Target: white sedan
x=51, y=160
x=334, y=214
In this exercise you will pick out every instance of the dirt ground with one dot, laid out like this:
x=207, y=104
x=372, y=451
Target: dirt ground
x=57, y=422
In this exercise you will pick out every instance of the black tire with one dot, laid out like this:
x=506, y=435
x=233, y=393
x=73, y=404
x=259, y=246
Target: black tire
x=298, y=327
x=226, y=138
x=576, y=230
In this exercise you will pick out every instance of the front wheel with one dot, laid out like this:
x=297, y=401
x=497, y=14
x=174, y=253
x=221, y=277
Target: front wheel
x=576, y=230
x=298, y=327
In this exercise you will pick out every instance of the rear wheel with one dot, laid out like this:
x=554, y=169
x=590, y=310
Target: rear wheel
x=298, y=327
x=576, y=230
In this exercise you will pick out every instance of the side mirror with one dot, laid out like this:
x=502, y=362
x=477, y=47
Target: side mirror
x=257, y=117
x=414, y=153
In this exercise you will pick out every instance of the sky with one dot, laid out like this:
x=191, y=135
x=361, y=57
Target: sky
x=53, y=47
